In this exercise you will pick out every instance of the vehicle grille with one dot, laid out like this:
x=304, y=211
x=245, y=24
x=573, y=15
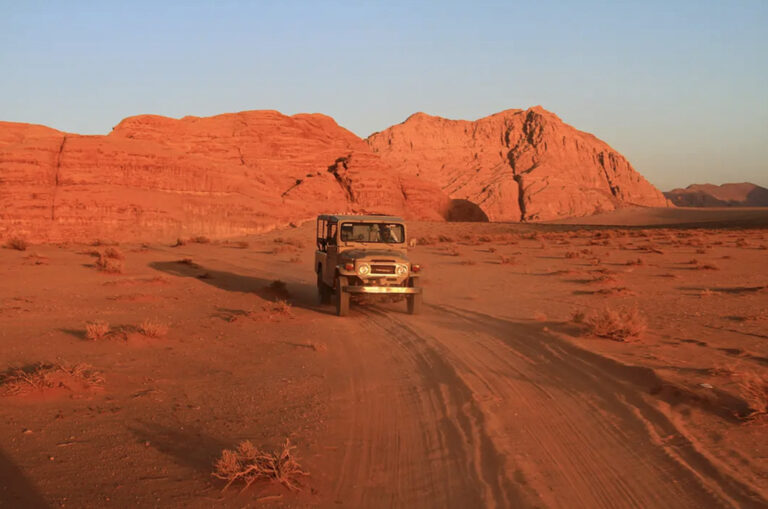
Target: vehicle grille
x=382, y=269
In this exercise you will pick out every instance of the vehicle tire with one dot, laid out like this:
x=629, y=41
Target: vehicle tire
x=341, y=297
x=323, y=292
x=414, y=300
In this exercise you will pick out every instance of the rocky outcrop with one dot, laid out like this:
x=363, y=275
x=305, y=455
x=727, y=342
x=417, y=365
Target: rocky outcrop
x=154, y=177
x=517, y=165
x=743, y=194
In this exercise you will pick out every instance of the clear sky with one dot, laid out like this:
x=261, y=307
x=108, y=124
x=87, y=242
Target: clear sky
x=679, y=87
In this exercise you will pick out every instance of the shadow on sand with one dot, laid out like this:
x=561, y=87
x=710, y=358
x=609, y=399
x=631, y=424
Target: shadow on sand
x=299, y=294
x=16, y=490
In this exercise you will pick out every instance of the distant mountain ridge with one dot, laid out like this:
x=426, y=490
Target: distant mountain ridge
x=743, y=194
x=159, y=178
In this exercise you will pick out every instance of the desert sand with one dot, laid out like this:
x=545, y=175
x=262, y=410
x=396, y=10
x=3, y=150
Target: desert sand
x=498, y=395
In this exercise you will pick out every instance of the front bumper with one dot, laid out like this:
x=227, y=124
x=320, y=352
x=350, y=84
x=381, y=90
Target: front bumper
x=382, y=289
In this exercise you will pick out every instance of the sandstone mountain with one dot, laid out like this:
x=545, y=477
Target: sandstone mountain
x=158, y=178
x=726, y=195
x=515, y=165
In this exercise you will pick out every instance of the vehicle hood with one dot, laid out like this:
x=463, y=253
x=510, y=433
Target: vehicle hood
x=374, y=254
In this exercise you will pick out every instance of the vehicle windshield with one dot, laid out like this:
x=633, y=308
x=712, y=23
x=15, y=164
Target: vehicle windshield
x=384, y=233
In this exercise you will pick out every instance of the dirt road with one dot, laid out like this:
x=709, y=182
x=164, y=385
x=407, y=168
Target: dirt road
x=469, y=409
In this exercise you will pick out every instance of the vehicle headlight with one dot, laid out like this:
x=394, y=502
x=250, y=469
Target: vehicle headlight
x=401, y=270
x=363, y=269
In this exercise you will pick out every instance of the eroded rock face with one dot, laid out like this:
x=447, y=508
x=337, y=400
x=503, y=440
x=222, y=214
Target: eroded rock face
x=516, y=165
x=159, y=178
x=743, y=194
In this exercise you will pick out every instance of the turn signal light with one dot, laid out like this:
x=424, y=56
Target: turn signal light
x=349, y=266
x=415, y=268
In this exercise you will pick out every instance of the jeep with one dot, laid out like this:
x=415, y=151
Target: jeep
x=364, y=255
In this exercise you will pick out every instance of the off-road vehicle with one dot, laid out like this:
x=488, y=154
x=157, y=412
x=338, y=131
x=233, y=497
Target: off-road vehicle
x=364, y=255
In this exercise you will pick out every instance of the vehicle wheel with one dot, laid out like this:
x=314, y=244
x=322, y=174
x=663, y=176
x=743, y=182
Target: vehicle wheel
x=414, y=301
x=323, y=292
x=341, y=297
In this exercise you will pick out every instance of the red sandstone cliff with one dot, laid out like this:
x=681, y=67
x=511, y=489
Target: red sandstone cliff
x=515, y=165
x=154, y=177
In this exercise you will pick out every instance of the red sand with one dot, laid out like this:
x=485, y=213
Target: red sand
x=492, y=397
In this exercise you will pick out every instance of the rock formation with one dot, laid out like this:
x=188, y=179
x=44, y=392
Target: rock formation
x=743, y=194
x=159, y=178
x=516, y=165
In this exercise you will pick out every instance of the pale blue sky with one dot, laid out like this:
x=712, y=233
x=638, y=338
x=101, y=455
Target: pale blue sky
x=679, y=87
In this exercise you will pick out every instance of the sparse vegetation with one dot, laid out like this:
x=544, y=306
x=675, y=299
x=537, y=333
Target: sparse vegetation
x=248, y=464
x=18, y=243
x=619, y=325
x=507, y=260
x=200, y=239
x=109, y=265
x=753, y=388
x=46, y=376
x=96, y=330
x=180, y=242
x=153, y=329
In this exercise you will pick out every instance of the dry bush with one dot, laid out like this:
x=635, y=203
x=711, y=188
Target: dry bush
x=701, y=251
x=180, y=242
x=44, y=376
x=247, y=464
x=507, y=260
x=187, y=261
x=200, y=239
x=638, y=261
x=616, y=290
x=571, y=254
x=289, y=242
x=153, y=329
x=114, y=253
x=491, y=250
x=595, y=261
x=693, y=261
x=619, y=325
x=706, y=292
x=468, y=262
x=707, y=266
x=109, y=265
x=278, y=288
x=452, y=251
x=578, y=316
x=96, y=330
x=242, y=244
x=753, y=388
x=603, y=279
x=17, y=243
x=279, y=308
x=295, y=259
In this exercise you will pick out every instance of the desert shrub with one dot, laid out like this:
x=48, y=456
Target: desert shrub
x=445, y=238
x=468, y=262
x=187, y=261
x=180, y=242
x=200, y=239
x=97, y=329
x=453, y=251
x=17, y=243
x=109, y=265
x=577, y=316
x=247, y=464
x=491, y=250
x=507, y=260
x=706, y=292
x=707, y=266
x=289, y=242
x=242, y=244
x=753, y=388
x=619, y=325
x=43, y=376
x=153, y=329
x=278, y=288
x=571, y=254
x=115, y=253
x=638, y=261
